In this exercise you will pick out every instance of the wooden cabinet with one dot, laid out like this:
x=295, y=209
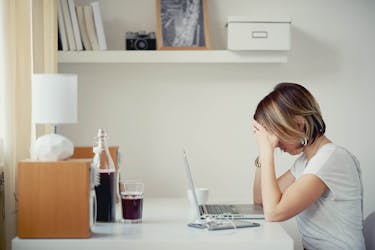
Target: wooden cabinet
x=53, y=199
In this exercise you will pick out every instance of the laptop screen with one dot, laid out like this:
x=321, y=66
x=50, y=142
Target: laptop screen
x=191, y=182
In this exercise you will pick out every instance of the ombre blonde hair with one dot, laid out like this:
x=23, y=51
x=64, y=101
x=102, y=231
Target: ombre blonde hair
x=279, y=109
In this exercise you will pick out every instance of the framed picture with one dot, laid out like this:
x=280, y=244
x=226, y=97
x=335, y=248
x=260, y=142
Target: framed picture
x=182, y=24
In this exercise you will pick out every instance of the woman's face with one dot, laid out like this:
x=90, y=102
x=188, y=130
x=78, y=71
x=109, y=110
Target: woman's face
x=291, y=147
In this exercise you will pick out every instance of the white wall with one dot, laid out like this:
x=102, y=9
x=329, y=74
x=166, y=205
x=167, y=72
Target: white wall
x=153, y=110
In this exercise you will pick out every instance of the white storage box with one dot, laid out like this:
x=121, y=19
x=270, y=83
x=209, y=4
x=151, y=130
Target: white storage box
x=245, y=33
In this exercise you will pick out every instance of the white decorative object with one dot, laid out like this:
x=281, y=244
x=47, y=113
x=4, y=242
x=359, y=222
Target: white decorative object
x=53, y=147
x=54, y=101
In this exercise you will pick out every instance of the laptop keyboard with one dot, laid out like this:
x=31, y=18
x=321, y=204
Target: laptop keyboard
x=220, y=209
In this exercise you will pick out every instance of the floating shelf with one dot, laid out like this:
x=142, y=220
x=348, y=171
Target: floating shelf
x=172, y=56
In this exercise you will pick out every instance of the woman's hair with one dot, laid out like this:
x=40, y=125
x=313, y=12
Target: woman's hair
x=278, y=110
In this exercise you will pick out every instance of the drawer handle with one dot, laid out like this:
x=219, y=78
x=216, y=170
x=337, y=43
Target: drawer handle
x=259, y=34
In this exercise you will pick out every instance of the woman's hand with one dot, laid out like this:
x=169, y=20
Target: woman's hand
x=266, y=140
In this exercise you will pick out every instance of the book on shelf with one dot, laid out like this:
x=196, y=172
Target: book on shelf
x=61, y=28
x=82, y=28
x=99, y=25
x=73, y=17
x=59, y=45
x=68, y=24
x=87, y=10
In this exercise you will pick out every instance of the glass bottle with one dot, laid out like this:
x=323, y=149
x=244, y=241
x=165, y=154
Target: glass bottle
x=106, y=191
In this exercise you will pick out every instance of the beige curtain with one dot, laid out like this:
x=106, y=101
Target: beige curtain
x=17, y=38
x=3, y=46
x=44, y=32
x=16, y=65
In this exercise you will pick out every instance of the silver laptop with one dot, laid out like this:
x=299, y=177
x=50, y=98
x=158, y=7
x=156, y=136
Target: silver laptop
x=235, y=211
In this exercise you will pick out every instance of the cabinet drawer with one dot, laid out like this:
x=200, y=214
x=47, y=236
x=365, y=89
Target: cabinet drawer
x=246, y=34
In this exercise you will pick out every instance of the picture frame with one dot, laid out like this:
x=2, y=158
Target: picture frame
x=182, y=25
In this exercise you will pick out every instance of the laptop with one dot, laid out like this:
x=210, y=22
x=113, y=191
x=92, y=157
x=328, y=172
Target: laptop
x=234, y=211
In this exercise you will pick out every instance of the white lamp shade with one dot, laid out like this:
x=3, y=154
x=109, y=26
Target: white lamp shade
x=54, y=98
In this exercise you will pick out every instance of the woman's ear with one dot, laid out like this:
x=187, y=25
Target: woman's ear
x=300, y=122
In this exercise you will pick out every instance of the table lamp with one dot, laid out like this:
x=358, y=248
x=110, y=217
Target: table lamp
x=54, y=101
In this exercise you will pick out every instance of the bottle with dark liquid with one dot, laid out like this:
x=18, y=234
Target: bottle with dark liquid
x=106, y=191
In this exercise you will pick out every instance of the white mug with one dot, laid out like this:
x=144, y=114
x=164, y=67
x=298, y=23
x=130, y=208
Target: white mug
x=201, y=193
x=202, y=198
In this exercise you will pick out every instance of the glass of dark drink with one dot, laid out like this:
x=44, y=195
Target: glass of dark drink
x=132, y=201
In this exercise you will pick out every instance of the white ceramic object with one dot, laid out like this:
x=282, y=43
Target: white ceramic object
x=202, y=195
x=52, y=147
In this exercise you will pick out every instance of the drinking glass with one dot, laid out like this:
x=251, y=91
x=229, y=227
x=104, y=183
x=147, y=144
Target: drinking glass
x=132, y=201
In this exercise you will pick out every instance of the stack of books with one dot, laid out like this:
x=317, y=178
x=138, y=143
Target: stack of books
x=80, y=26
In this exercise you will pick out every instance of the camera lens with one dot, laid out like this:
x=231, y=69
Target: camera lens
x=141, y=44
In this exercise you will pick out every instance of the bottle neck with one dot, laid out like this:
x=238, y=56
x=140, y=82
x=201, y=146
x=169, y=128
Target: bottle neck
x=102, y=142
x=104, y=160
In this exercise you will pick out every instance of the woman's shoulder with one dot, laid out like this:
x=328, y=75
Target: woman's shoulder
x=330, y=157
x=333, y=158
x=338, y=152
x=340, y=171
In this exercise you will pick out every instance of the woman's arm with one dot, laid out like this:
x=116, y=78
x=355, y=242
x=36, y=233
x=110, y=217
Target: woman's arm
x=296, y=198
x=284, y=181
x=271, y=193
x=257, y=188
x=280, y=206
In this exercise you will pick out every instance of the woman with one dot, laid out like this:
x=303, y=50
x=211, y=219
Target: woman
x=323, y=188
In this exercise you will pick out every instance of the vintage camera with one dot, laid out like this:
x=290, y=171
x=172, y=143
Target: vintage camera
x=140, y=41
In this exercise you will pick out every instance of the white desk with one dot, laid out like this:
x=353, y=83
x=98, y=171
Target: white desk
x=164, y=227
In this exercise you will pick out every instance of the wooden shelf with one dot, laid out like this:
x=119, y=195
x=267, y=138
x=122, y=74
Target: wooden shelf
x=168, y=56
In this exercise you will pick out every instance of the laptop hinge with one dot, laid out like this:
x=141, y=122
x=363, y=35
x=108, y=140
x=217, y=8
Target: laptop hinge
x=202, y=210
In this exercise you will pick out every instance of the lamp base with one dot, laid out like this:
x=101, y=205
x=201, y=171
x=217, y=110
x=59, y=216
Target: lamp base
x=52, y=147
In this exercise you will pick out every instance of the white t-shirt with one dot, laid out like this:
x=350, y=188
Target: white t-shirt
x=335, y=220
